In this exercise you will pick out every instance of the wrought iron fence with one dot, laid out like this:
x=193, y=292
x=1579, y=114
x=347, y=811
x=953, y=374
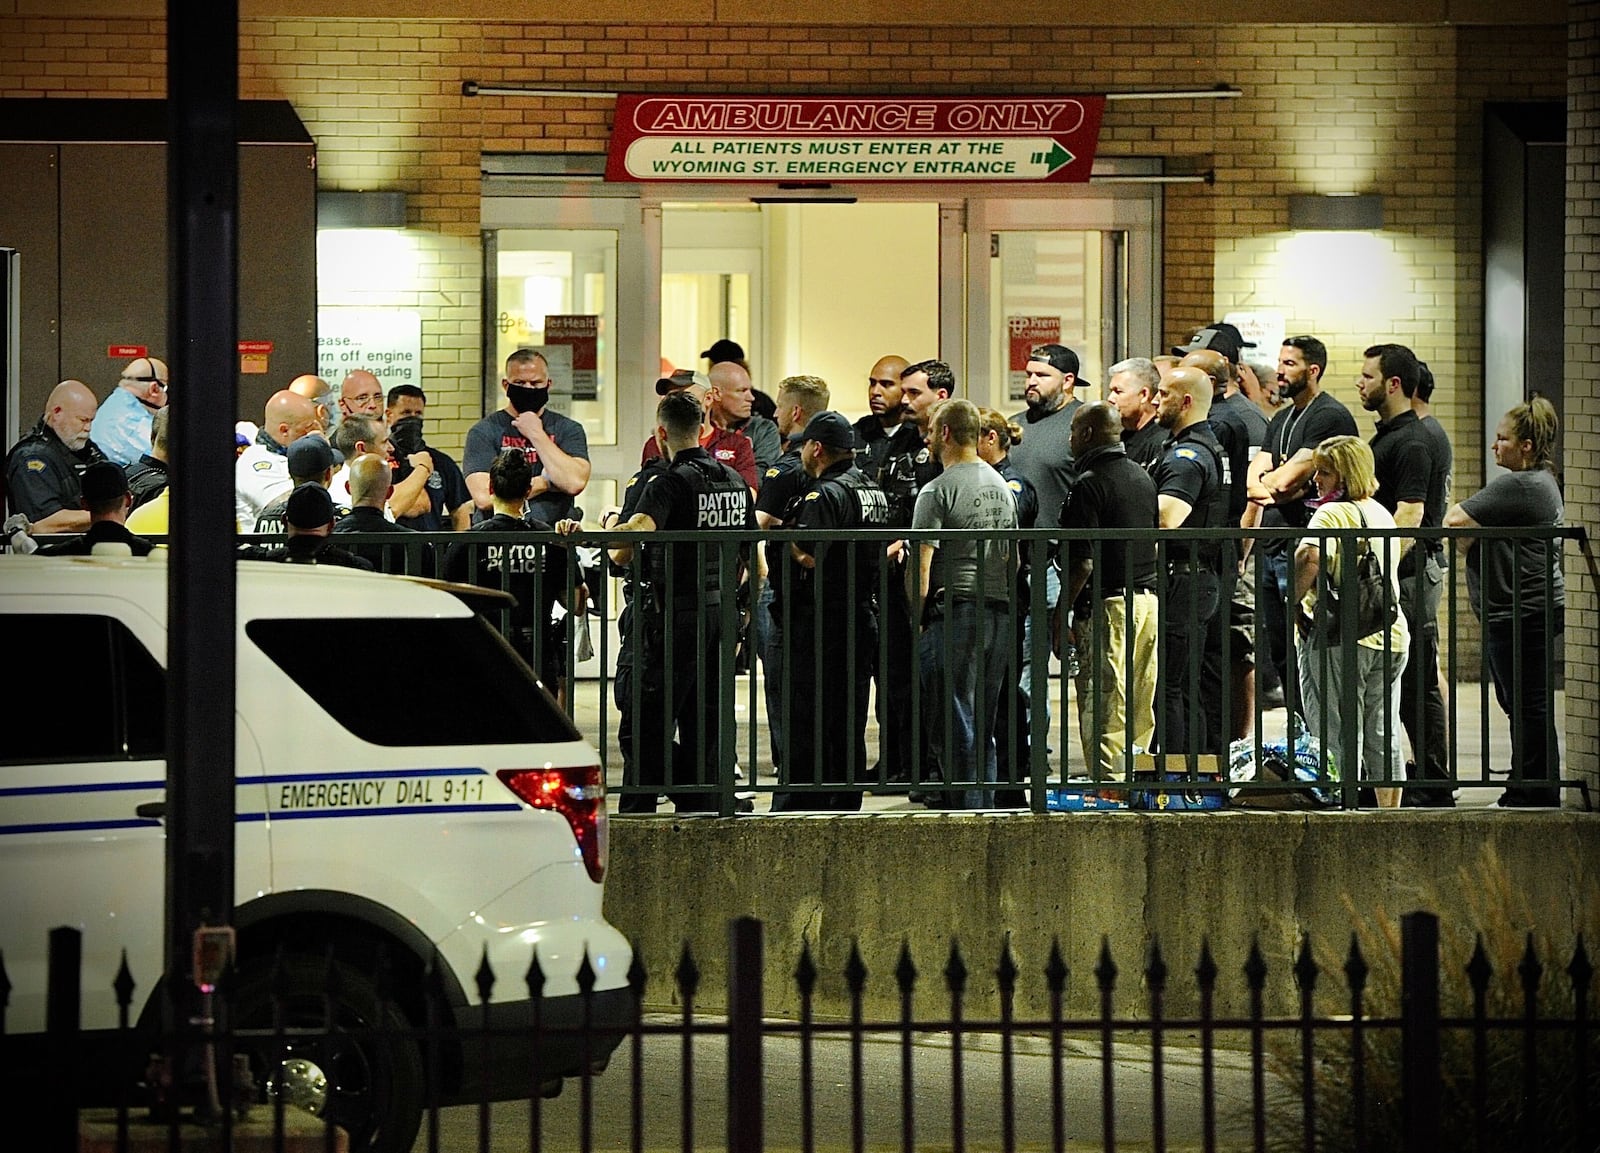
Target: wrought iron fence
x=790, y=656
x=1380, y=1057
x=786, y=658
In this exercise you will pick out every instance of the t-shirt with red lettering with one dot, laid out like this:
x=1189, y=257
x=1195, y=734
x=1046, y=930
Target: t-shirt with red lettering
x=495, y=433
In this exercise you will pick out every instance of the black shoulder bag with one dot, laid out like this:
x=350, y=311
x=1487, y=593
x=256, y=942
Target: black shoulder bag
x=1375, y=610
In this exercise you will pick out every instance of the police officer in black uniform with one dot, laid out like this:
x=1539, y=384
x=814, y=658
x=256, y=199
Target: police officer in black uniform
x=832, y=611
x=1191, y=494
x=891, y=450
x=799, y=398
x=530, y=570
x=44, y=469
x=677, y=628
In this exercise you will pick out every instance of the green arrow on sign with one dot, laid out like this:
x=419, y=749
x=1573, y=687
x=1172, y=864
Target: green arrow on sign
x=1055, y=160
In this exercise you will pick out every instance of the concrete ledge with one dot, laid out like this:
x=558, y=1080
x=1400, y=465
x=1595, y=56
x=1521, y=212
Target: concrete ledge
x=924, y=879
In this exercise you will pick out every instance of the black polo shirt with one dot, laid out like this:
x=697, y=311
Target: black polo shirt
x=1405, y=459
x=1144, y=444
x=1112, y=492
x=1190, y=469
x=1241, y=430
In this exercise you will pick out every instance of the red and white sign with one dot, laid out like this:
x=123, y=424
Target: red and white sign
x=126, y=351
x=854, y=138
x=582, y=335
x=263, y=347
x=1026, y=333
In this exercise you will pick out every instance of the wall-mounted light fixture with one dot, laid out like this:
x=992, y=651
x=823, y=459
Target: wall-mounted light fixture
x=361, y=210
x=1336, y=213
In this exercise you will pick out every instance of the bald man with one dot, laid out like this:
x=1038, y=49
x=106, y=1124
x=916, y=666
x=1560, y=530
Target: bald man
x=122, y=426
x=1241, y=430
x=262, y=471
x=370, y=480
x=1191, y=494
x=361, y=394
x=885, y=432
x=731, y=406
x=320, y=393
x=44, y=469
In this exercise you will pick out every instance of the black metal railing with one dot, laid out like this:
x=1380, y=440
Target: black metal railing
x=1220, y=735
x=1412, y=1049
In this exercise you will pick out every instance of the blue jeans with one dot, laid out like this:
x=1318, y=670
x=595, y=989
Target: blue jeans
x=964, y=659
x=1052, y=594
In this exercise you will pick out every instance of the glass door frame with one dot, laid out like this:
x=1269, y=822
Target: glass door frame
x=1131, y=226
x=968, y=214
x=573, y=205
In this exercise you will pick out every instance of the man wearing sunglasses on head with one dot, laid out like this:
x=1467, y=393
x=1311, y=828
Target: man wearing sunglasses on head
x=556, y=445
x=122, y=424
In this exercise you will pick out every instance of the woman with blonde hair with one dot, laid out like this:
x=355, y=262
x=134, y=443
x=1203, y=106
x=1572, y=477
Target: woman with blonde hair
x=1516, y=586
x=1370, y=702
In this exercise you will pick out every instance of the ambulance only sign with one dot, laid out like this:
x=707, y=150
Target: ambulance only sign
x=847, y=138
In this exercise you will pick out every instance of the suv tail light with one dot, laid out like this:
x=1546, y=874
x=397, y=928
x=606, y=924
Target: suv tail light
x=579, y=795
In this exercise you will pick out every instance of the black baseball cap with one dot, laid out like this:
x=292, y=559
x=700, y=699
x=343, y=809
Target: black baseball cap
x=830, y=430
x=103, y=482
x=309, y=506
x=1057, y=356
x=312, y=455
x=723, y=351
x=1218, y=337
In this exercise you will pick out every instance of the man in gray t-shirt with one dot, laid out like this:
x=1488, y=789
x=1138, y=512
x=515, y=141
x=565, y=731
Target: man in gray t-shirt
x=1044, y=457
x=964, y=651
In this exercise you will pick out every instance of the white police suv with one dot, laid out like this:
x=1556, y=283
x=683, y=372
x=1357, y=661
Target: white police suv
x=430, y=820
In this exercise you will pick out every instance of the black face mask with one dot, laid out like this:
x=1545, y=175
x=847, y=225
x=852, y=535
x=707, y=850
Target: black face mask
x=526, y=399
x=406, y=435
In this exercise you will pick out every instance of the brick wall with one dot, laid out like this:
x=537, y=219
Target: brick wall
x=1582, y=452
x=1387, y=109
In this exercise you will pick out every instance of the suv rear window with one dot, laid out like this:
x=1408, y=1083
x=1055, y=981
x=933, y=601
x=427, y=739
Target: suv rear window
x=462, y=684
x=106, y=699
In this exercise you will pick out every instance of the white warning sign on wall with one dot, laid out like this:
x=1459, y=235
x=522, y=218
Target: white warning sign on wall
x=387, y=342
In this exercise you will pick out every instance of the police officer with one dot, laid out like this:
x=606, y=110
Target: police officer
x=1190, y=494
x=901, y=463
x=44, y=469
x=678, y=626
x=799, y=398
x=832, y=611
x=531, y=571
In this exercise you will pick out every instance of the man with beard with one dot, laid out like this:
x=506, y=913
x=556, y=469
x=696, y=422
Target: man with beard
x=908, y=465
x=44, y=469
x=1044, y=458
x=556, y=445
x=884, y=432
x=1280, y=482
x=1413, y=482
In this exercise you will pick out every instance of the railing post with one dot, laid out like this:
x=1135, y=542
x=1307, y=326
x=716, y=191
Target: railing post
x=744, y=1035
x=62, y=1012
x=1419, y=1030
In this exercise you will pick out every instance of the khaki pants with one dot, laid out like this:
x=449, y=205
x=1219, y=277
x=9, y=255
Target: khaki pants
x=1109, y=655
